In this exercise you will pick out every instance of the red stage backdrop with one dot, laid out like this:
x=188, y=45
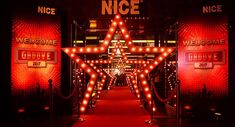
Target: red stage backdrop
x=203, y=55
x=36, y=55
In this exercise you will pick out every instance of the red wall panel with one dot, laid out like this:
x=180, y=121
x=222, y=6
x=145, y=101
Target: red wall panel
x=36, y=52
x=203, y=55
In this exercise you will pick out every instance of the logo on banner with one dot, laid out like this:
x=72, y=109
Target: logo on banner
x=203, y=55
x=204, y=59
x=35, y=58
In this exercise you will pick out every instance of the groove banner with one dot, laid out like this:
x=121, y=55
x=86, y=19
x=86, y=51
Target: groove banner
x=203, y=55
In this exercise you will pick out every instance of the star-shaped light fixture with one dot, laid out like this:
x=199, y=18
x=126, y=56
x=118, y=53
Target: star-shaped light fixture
x=117, y=22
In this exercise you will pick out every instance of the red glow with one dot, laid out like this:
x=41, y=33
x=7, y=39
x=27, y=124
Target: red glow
x=203, y=56
x=37, y=41
x=46, y=107
x=82, y=109
x=21, y=110
x=187, y=107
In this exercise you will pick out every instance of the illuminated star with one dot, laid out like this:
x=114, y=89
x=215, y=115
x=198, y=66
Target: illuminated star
x=117, y=22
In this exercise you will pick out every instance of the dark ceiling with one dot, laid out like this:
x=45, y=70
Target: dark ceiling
x=162, y=12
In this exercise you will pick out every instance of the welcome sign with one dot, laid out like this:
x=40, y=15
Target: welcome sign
x=35, y=52
x=203, y=55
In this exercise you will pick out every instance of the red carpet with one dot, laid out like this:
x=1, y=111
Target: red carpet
x=116, y=108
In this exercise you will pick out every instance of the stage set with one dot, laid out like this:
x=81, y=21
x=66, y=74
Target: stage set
x=119, y=63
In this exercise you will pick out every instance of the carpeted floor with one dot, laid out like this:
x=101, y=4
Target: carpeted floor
x=116, y=108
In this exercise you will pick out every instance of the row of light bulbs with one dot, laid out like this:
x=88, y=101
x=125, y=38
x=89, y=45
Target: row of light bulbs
x=103, y=77
x=103, y=47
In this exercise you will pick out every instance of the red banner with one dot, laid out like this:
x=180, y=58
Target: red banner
x=36, y=55
x=203, y=55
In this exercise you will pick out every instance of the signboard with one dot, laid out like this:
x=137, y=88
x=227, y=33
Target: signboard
x=217, y=57
x=203, y=55
x=35, y=52
x=123, y=7
x=25, y=55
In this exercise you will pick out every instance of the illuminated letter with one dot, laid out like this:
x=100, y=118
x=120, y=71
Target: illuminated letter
x=205, y=9
x=213, y=8
x=53, y=11
x=135, y=7
x=27, y=40
x=48, y=10
x=124, y=12
x=40, y=9
x=219, y=8
x=49, y=56
x=115, y=7
x=190, y=57
x=34, y=55
x=195, y=56
x=106, y=7
x=20, y=40
x=54, y=42
x=38, y=56
x=199, y=56
x=43, y=55
x=23, y=55
x=28, y=55
x=222, y=42
x=209, y=57
x=216, y=57
x=204, y=56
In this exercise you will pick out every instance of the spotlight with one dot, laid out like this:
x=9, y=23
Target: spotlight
x=46, y=108
x=21, y=110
